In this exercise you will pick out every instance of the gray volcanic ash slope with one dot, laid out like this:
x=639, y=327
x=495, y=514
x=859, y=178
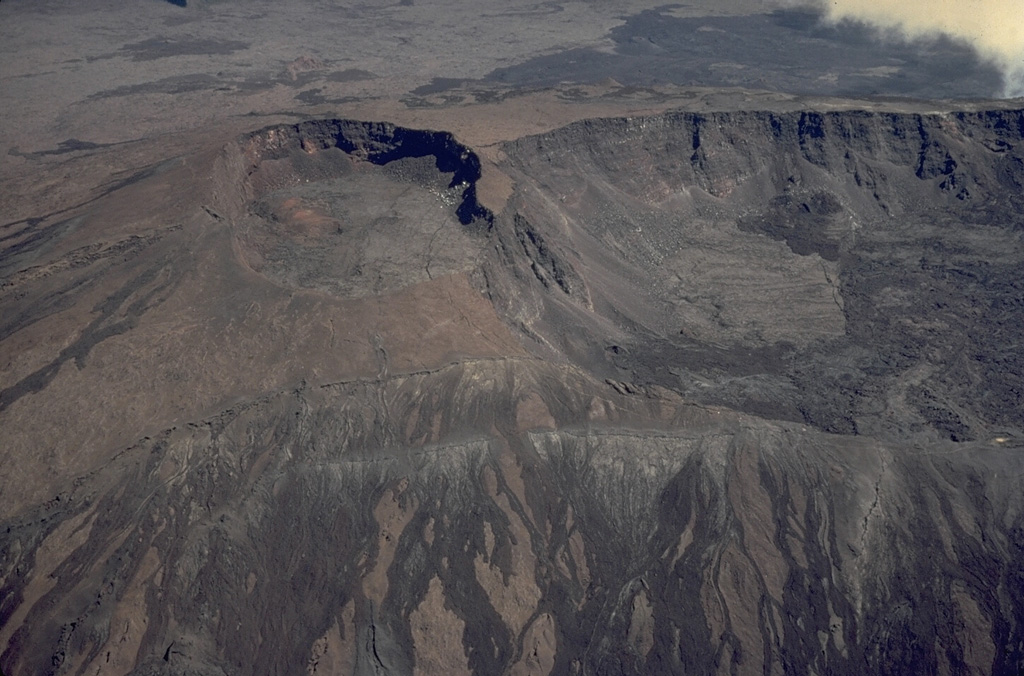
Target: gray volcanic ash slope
x=710, y=393
x=859, y=271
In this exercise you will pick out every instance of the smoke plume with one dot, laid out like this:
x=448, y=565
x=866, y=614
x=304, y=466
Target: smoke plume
x=994, y=27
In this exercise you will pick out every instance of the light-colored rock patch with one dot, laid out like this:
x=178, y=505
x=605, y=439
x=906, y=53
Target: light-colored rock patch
x=392, y=518
x=514, y=595
x=333, y=654
x=127, y=624
x=539, y=647
x=437, y=636
x=641, y=625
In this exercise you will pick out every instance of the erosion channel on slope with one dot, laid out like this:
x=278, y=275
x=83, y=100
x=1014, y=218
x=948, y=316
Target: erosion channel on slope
x=728, y=392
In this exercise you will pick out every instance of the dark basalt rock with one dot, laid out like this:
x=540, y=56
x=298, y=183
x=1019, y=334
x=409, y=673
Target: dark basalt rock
x=906, y=223
x=380, y=143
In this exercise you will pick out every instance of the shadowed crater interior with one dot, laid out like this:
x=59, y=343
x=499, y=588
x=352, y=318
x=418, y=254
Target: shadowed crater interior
x=357, y=208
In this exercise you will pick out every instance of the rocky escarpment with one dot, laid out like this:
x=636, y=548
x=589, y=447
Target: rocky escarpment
x=858, y=271
x=726, y=393
x=379, y=143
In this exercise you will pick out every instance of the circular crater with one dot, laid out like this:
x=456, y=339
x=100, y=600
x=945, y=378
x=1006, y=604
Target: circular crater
x=361, y=213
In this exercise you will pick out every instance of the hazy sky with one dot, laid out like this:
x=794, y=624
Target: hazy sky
x=994, y=27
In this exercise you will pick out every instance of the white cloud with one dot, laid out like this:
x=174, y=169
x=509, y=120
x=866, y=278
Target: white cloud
x=994, y=27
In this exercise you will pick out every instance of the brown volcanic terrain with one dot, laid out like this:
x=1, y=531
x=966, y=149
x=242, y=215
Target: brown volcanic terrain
x=597, y=379
x=724, y=391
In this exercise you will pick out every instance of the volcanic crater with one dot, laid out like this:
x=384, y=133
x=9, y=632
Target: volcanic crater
x=711, y=392
x=358, y=208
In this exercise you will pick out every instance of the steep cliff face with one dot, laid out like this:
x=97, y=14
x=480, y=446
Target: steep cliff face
x=728, y=393
x=857, y=254
x=379, y=143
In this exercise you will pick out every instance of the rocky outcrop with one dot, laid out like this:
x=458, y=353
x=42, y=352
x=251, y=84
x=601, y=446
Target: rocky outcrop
x=884, y=240
x=379, y=143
